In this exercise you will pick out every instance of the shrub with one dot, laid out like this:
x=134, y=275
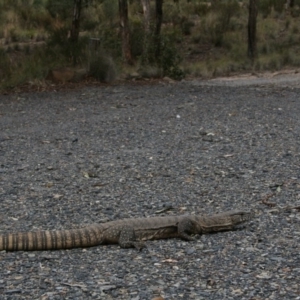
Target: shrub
x=59, y=9
x=265, y=7
x=58, y=44
x=201, y=9
x=137, y=37
x=186, y=26
x=170, y=58
x=102, y=67
x=5, y=70
x=219, y=21
x=279, y=5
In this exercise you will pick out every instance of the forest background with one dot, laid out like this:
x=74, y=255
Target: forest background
x=72, y=40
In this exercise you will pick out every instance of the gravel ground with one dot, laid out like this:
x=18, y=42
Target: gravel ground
x=69, y=159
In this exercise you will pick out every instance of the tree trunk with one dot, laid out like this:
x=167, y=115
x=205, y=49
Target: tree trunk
x=76, y=21
x=159, y=18
x=252, y=49
x=124, y=26
x=146, y=12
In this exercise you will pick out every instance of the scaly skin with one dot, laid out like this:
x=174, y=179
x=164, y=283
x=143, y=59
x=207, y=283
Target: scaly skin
x=127, y=233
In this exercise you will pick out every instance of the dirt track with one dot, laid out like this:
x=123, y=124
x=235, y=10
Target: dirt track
x=73, y=158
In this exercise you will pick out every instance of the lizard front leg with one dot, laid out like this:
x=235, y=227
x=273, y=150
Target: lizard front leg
x=185, y=227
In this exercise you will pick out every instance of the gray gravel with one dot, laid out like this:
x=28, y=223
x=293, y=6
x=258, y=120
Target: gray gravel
x=102, y=153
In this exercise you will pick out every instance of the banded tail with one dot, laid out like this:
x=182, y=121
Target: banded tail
x=50, y=240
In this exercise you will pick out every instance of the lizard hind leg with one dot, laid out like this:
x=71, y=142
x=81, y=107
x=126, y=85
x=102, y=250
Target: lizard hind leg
x=127, y=239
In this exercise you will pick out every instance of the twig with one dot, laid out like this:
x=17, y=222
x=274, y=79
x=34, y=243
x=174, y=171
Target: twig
x=266, y=202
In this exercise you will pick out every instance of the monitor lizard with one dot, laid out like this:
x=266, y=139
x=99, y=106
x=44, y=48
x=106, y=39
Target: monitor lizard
x=127, y=232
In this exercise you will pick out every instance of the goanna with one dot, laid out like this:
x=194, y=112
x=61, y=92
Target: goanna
x=127, y=232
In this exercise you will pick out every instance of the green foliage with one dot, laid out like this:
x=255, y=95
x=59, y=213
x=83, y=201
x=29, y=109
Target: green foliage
x=212, y=31
x=295, y=11
x=17, y=47
x=201, y=8
x=30, y=14
x=186, y=26
x=110, y=9
x=18, y=35
x=170, y=12
x=111, y=40
x=265, y=7
x=170, y=58
x=137, y=37
x=58, y=44
x=58, y=37
x=60, y=9
x=295, y=29
x=89, y=20
x=38, y=3
x=28, y=66
x=276, y=61
x=279, y=5
x=218, y=22
x=226, y=10
x=219, y=29
x=5, y=70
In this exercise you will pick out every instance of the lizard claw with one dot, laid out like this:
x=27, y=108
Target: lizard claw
x=139, y=245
